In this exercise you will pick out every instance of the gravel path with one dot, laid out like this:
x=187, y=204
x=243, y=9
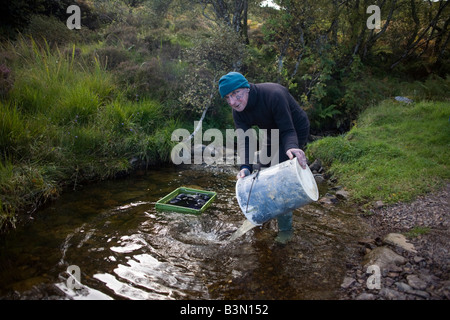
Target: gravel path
x=418, y=270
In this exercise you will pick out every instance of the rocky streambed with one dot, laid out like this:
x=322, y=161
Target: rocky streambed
x=409, y=242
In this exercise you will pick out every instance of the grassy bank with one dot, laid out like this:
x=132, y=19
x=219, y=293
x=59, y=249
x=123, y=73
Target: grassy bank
x=395, y=151
x=65, y=122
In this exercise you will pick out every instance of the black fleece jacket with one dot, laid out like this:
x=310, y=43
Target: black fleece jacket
x=271, y=106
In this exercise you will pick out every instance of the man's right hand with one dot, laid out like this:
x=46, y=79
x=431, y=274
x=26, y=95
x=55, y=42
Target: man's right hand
x=299, y=154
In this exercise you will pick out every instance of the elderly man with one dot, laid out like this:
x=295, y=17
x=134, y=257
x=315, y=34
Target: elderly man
x=268, y=106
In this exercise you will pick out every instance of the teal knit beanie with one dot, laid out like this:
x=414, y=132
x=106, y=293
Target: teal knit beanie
x=232, y=81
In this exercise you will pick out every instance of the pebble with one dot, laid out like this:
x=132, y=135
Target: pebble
x=342, y=194
x=415, y=282
x=347, y=282
x=366, y=296
x=403, y=287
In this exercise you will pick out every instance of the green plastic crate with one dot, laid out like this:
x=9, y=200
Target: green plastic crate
x=162, y=204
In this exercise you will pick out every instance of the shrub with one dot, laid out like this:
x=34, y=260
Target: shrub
x=121, y=35
x=433, y=88
x=50, y=29
x=6, y=80
x=111, y=57
x=209, y=59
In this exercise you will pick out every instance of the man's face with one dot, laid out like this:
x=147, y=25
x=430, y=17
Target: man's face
x=238, y=99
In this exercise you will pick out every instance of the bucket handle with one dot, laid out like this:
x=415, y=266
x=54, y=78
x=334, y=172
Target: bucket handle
x=258, y=168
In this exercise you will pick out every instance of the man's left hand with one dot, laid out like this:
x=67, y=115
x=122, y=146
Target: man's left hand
x=299, y=154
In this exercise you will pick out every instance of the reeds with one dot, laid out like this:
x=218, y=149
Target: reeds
x=65, y=122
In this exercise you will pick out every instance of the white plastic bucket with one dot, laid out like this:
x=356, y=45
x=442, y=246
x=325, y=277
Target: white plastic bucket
x=276, y=190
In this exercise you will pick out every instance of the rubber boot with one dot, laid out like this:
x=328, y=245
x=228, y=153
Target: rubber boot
x=285, y=231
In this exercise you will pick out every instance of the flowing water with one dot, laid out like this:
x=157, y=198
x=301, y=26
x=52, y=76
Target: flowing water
x=243, y=229
x=125, y=249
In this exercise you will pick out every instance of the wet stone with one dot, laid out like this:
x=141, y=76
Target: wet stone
x=419, y=269
x=316, y=166
x=195, y=201
x=379, y=204
x=319, y=178
x=342, y=194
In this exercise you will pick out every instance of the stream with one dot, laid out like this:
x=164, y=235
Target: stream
x=125, y=249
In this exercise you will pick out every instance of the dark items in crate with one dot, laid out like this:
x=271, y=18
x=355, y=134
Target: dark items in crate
x=194, y=201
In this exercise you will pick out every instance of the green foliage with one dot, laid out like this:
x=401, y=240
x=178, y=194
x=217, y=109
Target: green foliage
x=23, y=186
x=45, y=18
x=331, y=62
x=433, y=88
x=65, y=123
x=151, y=78
x=210, y=58
x=145, y=63
x=111, y=57
x=13, y=132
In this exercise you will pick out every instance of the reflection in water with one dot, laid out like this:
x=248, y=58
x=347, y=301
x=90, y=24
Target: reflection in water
x=127, y=250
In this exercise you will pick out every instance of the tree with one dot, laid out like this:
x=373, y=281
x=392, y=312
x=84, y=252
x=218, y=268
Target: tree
x=430, y=33
x=232, y=13
x=209, y=59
